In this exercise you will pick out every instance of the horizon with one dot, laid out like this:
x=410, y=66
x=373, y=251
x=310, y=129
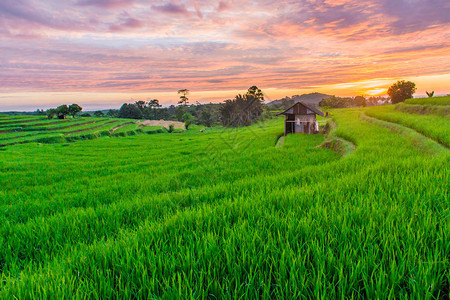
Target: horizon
x=103, y=53
x=90, y=108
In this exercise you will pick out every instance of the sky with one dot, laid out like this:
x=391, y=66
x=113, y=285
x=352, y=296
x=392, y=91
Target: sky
x=102, y=53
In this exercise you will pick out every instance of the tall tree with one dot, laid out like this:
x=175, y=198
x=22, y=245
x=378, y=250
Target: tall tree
x=99, y=114
x=130, y=111
x=62, y=111
x=140, y=104
x=113, y=113
x=184, y=100
x=74, y=109
x=255, y=92
x=243, y=109
x=188, y=120
x=360, y=101
x=401, y=90
x=153, y=106
x=206, y=115
x=51, y=112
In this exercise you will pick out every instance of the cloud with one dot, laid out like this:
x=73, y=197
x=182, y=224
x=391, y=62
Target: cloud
x=26, y=16
x=106, y=3
x=223, y=6
x=171, y=8
x=415, y=49
x=197, y=9
x=412, y=16
x=126, y=22
x=352, y=19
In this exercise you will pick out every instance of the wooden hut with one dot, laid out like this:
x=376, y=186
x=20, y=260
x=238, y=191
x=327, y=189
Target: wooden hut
x=301, y=118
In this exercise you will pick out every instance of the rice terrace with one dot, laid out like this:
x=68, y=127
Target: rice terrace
x=224, y=213
x=175, y=149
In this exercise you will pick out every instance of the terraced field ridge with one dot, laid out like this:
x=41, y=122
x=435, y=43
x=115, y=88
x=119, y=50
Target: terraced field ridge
x=27, y=129
x=362, y=212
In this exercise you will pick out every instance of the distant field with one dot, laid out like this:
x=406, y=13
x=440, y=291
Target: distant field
x=430, y=101
x=362, y=212
x=28, y=129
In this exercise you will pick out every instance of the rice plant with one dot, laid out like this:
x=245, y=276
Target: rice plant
x=224, y=213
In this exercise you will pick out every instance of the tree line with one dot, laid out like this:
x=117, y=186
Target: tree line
x=358, y=101
x=62, y=111
x=243, y=110
x=398, y=92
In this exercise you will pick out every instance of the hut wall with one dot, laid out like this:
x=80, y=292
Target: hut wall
x=305, y=118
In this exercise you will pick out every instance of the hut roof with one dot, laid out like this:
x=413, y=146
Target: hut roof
x=308, y=106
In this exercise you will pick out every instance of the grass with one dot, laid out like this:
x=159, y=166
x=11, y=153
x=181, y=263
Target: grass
x=425, y=109
x=225, y=214
x=133, y=127
x=445, y=100
x=432, y=126
x=152, y=129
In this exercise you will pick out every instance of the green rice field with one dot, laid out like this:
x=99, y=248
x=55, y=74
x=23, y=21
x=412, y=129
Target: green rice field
x=20, y=130
x=444, y=100
x=360, y=212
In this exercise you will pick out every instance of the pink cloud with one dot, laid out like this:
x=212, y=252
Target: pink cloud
x=223, y=6
x=106, y=3
x=198, y=10
x=126, y=22
x=171, y=9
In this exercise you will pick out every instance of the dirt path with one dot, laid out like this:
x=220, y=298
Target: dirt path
x=176, y=124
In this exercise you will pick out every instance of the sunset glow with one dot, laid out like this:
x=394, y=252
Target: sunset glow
x=102, y=53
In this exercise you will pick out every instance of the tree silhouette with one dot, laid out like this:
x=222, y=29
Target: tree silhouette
x=153, y=105
x=99, y=114
x=243, y=109
x=140, y=104
x=401, y=90
x=256, y=93
x=62, y=111
x=188, y=120
x=51, y=112
x=183, y=98
x=74, y=109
